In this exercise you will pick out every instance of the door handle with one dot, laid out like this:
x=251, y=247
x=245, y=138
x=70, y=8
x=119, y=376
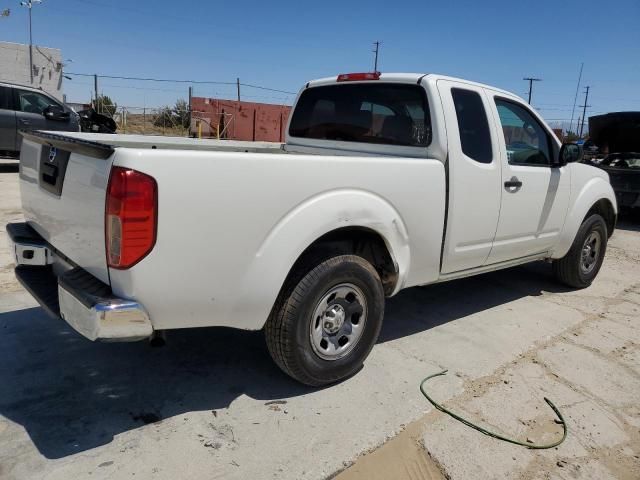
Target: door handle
x=25, y=122
x=513, y=183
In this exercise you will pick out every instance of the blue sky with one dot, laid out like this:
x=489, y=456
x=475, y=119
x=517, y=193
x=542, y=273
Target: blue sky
x=283, y=44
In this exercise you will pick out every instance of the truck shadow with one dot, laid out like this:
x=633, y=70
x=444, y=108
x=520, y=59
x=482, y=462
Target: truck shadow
x=72, y=395
x=629, y=221
x=421, y=308
x=9, y=167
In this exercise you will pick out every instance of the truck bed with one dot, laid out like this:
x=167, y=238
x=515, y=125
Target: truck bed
x=175, y=143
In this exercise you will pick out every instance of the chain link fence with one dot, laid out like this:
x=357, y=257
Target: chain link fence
x=151, y=121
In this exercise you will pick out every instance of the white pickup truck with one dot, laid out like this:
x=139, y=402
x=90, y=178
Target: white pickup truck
x=385, y=181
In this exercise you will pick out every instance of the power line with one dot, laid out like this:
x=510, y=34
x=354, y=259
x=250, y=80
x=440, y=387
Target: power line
x=531, y=80
x=268, y=89
x=150, y=79
x=166, y=80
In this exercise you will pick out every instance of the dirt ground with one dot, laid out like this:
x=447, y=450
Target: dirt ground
x=211, y=404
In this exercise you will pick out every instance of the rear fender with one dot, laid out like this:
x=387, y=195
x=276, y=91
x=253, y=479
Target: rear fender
x=304, y=224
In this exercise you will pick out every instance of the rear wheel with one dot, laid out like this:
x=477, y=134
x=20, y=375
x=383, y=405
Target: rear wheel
x=326, y=320
x=582, y=263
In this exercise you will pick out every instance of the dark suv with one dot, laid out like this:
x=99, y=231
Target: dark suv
x=28, y=108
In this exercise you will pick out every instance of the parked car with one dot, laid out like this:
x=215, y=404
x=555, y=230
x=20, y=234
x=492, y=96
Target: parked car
x=624, y=174
x=385, y=181
x=28, y=108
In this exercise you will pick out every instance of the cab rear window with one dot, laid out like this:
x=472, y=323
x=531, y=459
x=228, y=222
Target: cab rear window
x=382, y=113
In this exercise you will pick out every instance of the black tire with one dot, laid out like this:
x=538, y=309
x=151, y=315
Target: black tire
x=570, y=268
x=288, y=330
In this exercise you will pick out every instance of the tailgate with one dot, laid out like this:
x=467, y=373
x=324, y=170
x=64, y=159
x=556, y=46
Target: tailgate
x=63, y=183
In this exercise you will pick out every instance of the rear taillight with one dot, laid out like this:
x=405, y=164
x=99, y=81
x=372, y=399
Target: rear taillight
x=130, y=217
x=353, y=77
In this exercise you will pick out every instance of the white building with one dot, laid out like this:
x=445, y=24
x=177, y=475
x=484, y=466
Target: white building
x=47, y=67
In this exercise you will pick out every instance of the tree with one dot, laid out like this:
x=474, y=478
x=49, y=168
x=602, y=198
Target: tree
x=176, y=116
x=181, y=110
x=164, y=117
x=571, y=137
x=105, y=105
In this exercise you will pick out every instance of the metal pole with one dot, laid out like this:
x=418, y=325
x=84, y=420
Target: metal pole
x=238, y=84
x=584, y=109
x=254, y=124
x=30, y=47
x=190, y=110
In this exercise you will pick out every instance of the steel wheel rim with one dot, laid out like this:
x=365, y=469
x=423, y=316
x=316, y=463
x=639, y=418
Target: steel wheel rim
x=590, y=252
x=338, y=321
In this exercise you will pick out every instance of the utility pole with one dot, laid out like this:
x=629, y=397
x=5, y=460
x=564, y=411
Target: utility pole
x=238, y=85
x=29, y=5
x=95, y=87
x=377, y=49
x=531, y=80
x=584, y=108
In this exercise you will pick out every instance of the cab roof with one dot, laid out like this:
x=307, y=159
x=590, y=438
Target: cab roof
x=408, y=78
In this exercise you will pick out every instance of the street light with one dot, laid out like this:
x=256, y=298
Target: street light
x=29, y=5
x=64, y=64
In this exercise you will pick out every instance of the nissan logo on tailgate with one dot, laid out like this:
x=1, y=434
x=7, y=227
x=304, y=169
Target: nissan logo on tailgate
x=53, y=151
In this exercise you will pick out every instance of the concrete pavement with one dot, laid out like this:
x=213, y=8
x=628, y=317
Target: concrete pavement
x=211, y=404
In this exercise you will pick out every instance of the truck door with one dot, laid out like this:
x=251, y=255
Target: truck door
x=535, y=195
x=7, y=121
x=474, y=176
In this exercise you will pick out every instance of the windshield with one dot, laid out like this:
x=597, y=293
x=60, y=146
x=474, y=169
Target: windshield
x=383, y=113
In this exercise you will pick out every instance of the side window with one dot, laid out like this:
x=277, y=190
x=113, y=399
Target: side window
x=5, y=98
x=526, y=140
x=32, y=102
x=473, y=125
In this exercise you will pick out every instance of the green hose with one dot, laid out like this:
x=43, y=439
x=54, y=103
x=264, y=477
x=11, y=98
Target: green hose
x=492, y=434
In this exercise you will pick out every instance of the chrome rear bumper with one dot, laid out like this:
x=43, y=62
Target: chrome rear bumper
x=112, y=319
x=83, y=301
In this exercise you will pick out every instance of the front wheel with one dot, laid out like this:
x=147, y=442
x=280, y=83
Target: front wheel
x=326, y=320
x=581, y=264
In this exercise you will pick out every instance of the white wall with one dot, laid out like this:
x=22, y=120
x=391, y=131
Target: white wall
x=47, y=66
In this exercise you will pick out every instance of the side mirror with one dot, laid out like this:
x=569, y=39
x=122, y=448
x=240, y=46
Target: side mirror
x=569, y=152
x=56, y=112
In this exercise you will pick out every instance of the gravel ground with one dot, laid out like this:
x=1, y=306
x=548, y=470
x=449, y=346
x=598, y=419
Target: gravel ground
x=211, y=404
